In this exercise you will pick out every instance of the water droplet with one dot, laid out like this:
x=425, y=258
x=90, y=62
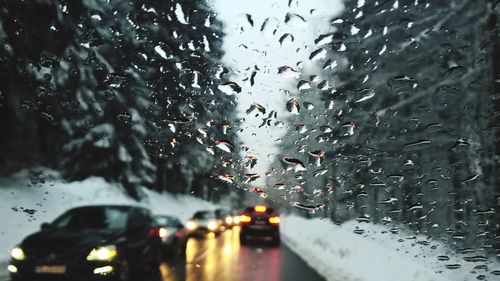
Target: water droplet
x=269, y=27
x=318, y=54
x=443, y=258
x=348, y=129
x=251, y=177
x=308, y=105
x=366, y=94
x=251, y=161
x=255, y=106
x=311, y=208
x=293, y=164
x=179, y=14
x=303, y=85
x=226, y=178
x=358, y=231
x=324, y=39
x=456, y=72
x=230, y=88
x=287, y=71
x=453, y=266
x=293, y=106
x=476, y=259
x=224, y=145
x=320, y=172
x=286, y=39
x=295, y=20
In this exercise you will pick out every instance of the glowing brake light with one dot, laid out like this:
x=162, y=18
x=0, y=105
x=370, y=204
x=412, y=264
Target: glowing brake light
x=260, y=209
x=274, y=220
x=245, y=218
x=154, y=232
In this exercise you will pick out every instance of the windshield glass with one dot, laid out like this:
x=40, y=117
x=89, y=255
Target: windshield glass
x=368, y=129
x=102, y=218
x=204, y=215
x=165, y=220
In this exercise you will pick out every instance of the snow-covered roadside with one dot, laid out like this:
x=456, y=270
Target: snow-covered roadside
x=339, y=254
x=27, y=201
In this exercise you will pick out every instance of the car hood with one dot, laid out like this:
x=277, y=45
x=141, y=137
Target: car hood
x=59, y=240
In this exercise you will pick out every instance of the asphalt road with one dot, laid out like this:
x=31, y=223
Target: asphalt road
x=222, y=258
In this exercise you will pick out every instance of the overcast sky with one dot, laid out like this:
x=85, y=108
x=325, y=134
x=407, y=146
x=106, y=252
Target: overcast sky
x=247, y=47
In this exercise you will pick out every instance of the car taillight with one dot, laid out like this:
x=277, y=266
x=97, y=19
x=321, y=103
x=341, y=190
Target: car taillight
x=260, y=209
x=274, y=220
x=154, y=232
x=245, y=219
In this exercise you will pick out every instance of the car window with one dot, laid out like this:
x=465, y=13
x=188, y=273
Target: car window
x=204, y=215
x=165, y=220
x=93, y=218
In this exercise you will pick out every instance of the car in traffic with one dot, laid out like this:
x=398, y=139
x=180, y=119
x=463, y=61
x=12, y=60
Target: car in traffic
x=204, y=222
x=173, y=236
x=226, y=217
x=260, y=223
x=89, y=242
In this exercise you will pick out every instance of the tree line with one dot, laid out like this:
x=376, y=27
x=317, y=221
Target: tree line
x=126, y=90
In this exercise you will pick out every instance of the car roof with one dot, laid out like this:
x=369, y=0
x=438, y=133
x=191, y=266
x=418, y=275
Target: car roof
x=121, y=206
x=165, y=216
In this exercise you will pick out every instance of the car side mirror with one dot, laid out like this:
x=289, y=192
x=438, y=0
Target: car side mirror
x=46, y=226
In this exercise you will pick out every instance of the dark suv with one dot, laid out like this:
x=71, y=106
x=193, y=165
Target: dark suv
x=86, y=243
x=260, y=223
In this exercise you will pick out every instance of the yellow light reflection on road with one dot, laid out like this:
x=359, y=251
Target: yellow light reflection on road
x=213, y=258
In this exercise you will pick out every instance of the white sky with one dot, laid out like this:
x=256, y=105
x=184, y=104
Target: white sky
x=264, y=50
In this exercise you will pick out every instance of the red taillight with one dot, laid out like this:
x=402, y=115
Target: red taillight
x=245, y=219
x=274, y=220
x=154, y=232
x=260, y=209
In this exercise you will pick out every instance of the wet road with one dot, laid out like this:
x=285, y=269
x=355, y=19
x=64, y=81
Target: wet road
x=222, y=258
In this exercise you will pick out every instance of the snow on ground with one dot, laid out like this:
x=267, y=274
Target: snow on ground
x=339, y=254
x=27, y=200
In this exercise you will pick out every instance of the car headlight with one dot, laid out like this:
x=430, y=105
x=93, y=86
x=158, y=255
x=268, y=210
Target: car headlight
x=163, y=232
x=17, y=253
x=191, y=225
x=212, y=225
x=229, y=220
x=103, y=253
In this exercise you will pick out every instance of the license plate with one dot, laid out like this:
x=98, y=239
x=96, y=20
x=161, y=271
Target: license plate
x=260, y=222
x=51, y=269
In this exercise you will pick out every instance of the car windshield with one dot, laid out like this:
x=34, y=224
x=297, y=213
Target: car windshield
x=220, y=213
x=204, y=215
x=166, y=220
x=369, y=130
x=102, y=218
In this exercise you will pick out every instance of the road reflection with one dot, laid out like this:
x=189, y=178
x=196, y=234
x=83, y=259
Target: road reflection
x=219, y=258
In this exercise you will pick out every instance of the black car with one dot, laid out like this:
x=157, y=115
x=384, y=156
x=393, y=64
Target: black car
x=89, y=243
x=260, y=223
x=173, y=236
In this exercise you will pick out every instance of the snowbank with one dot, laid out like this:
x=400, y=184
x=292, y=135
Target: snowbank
x=27, y=200
x=339, y=254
